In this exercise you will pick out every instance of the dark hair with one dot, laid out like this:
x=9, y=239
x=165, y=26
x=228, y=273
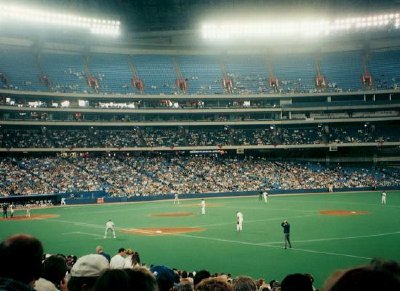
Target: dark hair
x=244, y=283
x=366, y=279
x=200, y=275
x=214, y=284
x=184, y=274
x=121, y=250
x=76, y=283
x=112, y=279
x=296, y=282
x=21, y=257
x=54, y=269
x=142, y=279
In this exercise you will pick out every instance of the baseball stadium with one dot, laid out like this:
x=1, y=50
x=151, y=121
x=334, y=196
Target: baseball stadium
x=255, y=141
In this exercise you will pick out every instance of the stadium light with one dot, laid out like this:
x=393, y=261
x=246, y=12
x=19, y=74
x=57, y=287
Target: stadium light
x=306, y=28
x=15, y=13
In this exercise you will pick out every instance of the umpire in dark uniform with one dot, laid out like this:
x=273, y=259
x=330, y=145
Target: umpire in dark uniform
x=5, y=210
x=286, y=233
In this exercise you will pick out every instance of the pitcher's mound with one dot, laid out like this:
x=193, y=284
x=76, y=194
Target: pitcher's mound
x=162, y=230
x=342, y=212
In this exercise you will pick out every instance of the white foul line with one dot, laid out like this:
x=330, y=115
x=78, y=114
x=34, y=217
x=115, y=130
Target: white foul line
x=293, y=249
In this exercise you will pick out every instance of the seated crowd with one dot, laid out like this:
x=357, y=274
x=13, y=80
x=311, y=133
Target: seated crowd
x=121, y=175
x=124, y=271
x=173, y=137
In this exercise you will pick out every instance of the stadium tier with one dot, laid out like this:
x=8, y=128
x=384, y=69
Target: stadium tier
x=296, y=73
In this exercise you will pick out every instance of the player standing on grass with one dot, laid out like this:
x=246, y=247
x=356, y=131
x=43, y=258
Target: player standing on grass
x=239, y=221
x=203, y=206
x=265, y=196
x=286, y=233
x=5, y=210
x=109, y=226
x=383, y=197
x=176, y=199
x=11, y=210
x=28, y=210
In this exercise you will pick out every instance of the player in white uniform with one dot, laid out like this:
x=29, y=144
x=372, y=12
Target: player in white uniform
x=239, y=221
x=203, y=206
x=109, y=226
x=11, y=210
x=28, y=210
x=383, y=197
x=63, y=201
x=265, y=196
x=176, y=199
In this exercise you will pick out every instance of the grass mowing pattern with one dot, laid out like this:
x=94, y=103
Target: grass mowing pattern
x=321, y=243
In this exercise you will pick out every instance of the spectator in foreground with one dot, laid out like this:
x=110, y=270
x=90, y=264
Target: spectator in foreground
x=100, y=251
x=166, y=277
x=126, y=279
x=244, y=283
x=297, y=282
x=53, y=274
x=118, y=261
x=21, y=262
x=142, y=279
x=199, y=276
x=214, y=284
x=379, y=275
x=86, y=271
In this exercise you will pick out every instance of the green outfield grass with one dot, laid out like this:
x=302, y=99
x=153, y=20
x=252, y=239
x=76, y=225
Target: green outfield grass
x=321, y=243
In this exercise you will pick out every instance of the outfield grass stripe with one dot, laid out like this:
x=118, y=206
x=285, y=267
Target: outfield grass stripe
x=272, y=246
x=347, y=237
x=82, y=233
x=331, y=254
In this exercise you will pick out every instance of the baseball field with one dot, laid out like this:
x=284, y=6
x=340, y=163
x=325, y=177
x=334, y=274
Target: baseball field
x=328, y=231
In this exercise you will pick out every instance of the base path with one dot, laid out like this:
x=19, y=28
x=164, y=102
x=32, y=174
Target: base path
x=162, y=230
x=33, y=217
x=342, y=212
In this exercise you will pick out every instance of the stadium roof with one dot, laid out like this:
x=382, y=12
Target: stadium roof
x=176, y=23
x=156, y=15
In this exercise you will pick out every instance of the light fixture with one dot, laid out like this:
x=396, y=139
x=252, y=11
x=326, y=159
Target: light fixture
x=24, y=14
x=305, y=28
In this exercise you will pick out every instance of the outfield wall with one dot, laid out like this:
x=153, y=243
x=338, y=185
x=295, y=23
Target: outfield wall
x=99, y=197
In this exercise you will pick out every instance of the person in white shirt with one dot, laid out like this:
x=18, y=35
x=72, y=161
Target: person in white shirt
x=118, y=261
x=109, y=227
x=239, y=221
x=265, y=196
x=383, y=197
x=176, y=199
x=11, y=210
x=203, y=206
x=28, y=211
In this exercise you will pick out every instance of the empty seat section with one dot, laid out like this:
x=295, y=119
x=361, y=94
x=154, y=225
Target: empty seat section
x=112, y=71
x=385, y=69
x=20, y=67
x=343, y=71
x=296, y=73
x=157, y=73
x=66, y=72
x=249, y=73
x=203, y=73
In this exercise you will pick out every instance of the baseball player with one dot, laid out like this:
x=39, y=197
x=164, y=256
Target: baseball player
x=239, y=221
x=109, y=227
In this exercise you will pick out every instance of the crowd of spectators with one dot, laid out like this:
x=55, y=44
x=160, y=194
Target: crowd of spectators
x=99, y=272
x=124, y=174
x=47, y=137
